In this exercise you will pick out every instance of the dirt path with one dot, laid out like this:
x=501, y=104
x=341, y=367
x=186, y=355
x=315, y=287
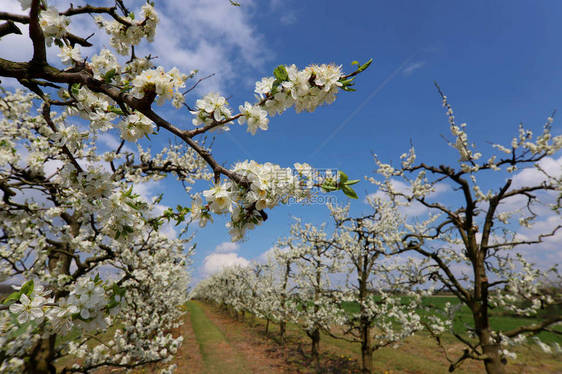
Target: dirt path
x=263, y=355
x=227, y=347
x=216, y=343
x=218, y=355
x=259, y=353
x=188, y=357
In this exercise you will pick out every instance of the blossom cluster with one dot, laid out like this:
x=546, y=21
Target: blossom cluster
x=128, y=31
x=91, y=106
x=166, y=85
x=111, y=232
x=135, y=126
x=85, y=306
x=265, y=186
x=68, y=55
x=53, y=25
x=304, y=89
x=255, y=116
x=211, y=109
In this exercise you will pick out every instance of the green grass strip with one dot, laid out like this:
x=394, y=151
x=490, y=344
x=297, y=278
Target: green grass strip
x=218, y=356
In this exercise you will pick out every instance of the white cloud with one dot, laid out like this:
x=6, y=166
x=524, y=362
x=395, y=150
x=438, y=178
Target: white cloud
x=408, y=70
x=215, y=262
x=549, y=251
x=288, y=18
x=17, y=47
x=211, y=36
x=112, y=142
x=264, y=257
x=225, y=247
x=415, y=209
x=223, y=256
x=533, y=176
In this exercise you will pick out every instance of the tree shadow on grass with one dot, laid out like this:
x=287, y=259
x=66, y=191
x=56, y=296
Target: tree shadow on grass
x=294, y=354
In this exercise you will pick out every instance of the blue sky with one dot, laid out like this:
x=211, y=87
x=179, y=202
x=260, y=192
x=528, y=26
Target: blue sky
x=498, y=62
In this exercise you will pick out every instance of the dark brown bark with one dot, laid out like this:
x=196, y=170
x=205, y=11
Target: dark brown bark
x=283, y=324
x=9, y=27
x=493, y=362
x=364, y=323
x=315, y=348
x=366, y=350
x=490, y=348
x=41, y=357
x=282, y=332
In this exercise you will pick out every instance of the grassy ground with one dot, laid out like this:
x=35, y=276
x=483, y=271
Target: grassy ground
x=499, y=319
x=218, y=356
x=418, y=354
x=217, y=343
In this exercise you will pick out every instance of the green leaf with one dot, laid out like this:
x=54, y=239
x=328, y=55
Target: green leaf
x=343, y=177
x=348, y=191
x=328, y=187
x=234, y=3
x=159, y=198
x=108, y=76
x=126, y=86
x=365, y=65
x=112, y=304
x=352, y=182
x=75, y=88
x=115, y=110
x=14, y=296
x=27, y=288
x=168, y=213
x=355, y=62
x=347, y=82
x=274, y=87
x=281, y=74
x=155, y=223
x=119, y=290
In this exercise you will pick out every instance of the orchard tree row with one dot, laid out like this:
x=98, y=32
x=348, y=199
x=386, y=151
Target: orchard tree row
x=86, y=249
x=100, y=284
x=367, y=276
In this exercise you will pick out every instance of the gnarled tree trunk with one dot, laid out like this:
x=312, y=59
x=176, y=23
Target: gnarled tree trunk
x=315, y=349
x=366, y=349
